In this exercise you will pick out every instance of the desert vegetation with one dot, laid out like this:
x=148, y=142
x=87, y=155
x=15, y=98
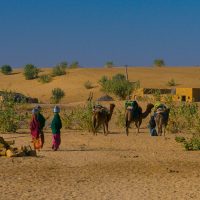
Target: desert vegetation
x=171, y=82
x=159, y=63
x=45, y=78
x=31, y=71
x=88, y=85
x=6, y=69
x=59, y=69
x=109, y=64
x=117, y=85
x=57, y=95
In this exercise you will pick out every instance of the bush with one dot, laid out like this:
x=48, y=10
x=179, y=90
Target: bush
x=31, y=72
x=45, y=78
x=159, y=63
x=57, y=95
x=6, y=69
x=118, y=86
x=120, y=122
x=109, y=64
x=183, y=116
x=179, y=139
x=192, y=144
x=171, y=83
x=88, y=85
x=79, y=118
x=74, y=65
x=10, y=118
x=59, y=69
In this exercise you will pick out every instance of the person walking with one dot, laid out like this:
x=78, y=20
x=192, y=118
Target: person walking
x=56, y=125
x=35, y=129
x=41, y=120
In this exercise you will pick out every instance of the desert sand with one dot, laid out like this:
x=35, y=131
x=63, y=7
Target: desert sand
x=87, y=167
x=100, y=167
x=73, y=82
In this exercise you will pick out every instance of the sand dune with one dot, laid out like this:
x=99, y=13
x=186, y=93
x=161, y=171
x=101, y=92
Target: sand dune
x=73, y=82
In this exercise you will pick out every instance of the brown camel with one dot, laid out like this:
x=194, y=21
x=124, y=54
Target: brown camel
x=138, y=120
x=161, y=120
x=102, y=116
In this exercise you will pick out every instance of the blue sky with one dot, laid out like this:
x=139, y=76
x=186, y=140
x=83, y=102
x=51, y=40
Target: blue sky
x=132, y=32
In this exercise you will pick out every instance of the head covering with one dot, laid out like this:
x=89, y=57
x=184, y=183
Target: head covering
x=35, y=111
x=38, y=107
x=56, y=109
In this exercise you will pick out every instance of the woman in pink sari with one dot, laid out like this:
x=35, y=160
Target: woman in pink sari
x=35, y=129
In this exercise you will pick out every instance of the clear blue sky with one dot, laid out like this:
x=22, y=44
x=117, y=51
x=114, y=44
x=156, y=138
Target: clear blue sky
x=132, y=32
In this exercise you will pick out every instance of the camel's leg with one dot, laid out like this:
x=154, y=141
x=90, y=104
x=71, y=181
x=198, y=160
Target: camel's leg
x=96, y=127
x=106, y=125
x=104, y=131
x=127, y=126
x=137, y=124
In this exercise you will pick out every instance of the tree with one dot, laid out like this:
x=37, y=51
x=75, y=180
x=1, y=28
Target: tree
x=57, y=95
x=159, y=63
x=109, y=64
x=74, y=65
x=6, y=69
x=30, y=72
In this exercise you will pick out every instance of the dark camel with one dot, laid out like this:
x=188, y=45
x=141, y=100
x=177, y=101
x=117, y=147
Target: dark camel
x=101, y=116
x=138, y=121
x=161, y=120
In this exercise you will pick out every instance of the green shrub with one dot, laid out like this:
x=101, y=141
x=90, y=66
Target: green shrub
x=79, y=118
x=120, y=122
x=57, y=95
x=159, y=63
x=6, y=69
x=180, y=139
x=118, y=86
x=10, y=117
x=74, y=65
x=31, y=72
x=59, y=69
x=192, y=144
x=183, y=116
x=109, y=64
x=88, y=85
x=45, y=78
x=171, y=82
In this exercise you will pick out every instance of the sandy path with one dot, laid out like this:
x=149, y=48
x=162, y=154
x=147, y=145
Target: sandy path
x=112, y=167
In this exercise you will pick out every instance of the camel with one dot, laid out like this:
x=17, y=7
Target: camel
x=138, y=121
x=102, y=116
x=161, y=119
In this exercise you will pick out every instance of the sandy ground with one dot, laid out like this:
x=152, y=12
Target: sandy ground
x=73, y=82
x=103, y=168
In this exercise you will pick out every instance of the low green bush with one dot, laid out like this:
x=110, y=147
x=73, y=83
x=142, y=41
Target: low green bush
x=59, y=70
x=31, y=72
x=57, y=95
x=171, y=82
x=79, y=118
x=6, y=69
x=45, y=78
x=10, y=117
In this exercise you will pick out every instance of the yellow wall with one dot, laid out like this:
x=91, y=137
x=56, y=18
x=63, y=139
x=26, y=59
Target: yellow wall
x=181, y=92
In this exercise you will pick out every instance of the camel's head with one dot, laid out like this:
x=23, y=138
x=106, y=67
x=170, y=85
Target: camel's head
x=112, y=106
x=150, y=106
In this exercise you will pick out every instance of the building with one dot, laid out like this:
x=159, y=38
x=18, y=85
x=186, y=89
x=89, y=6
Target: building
x=187, y=94
x=179, y=94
